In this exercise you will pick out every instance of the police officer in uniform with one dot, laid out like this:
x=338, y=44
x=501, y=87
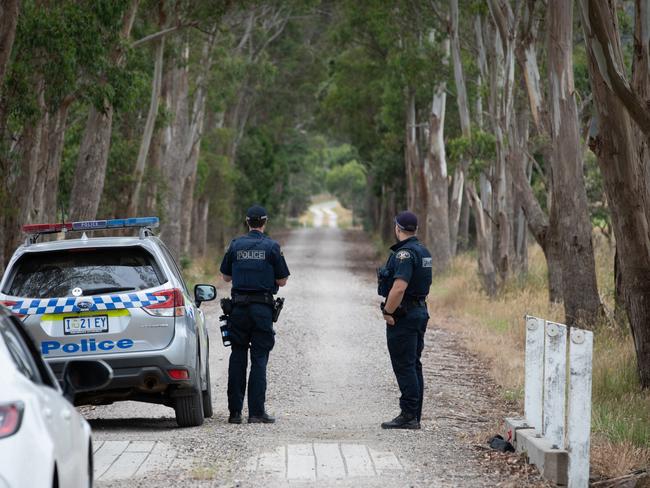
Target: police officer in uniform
x=404, y=282
x=256, y=267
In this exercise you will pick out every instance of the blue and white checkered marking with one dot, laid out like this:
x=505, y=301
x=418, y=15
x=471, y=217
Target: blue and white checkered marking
x=38, y=306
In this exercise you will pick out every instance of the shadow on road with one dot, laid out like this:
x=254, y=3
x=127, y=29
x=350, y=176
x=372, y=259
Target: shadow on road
x=135, y=424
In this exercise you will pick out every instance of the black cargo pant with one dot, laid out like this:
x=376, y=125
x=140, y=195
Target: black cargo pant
x=405, y=344
x=251, y=329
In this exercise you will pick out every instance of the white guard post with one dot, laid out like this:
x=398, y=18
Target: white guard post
x=557, y=405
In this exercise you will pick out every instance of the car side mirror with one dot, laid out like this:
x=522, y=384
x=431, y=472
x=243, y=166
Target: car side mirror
x=204, y=293
x=84, y=376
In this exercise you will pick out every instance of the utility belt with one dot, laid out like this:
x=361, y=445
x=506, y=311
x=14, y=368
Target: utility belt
x=227, y=305
x=243, y=299
x=408, y=304
x=414, y=302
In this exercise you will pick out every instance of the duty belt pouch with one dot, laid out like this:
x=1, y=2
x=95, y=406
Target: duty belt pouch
x=384, y=281
x=277, y=308
x=226, y=306
x=224, y=326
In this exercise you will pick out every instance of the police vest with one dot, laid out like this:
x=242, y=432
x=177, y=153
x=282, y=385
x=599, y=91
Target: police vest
x=421, y=277
x=252, y=265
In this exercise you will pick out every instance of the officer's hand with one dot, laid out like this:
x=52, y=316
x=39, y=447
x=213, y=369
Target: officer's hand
x=390, y=320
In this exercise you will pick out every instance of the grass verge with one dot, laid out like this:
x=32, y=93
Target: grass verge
x=495, y=330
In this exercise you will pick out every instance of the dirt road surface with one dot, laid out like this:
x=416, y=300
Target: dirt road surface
x=330, y=387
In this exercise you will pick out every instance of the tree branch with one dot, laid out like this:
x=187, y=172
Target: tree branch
x=164, y=32
x=614, y=75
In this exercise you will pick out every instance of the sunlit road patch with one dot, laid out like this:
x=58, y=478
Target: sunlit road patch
x=324, y=461
x=322, y=210
x=121, y=460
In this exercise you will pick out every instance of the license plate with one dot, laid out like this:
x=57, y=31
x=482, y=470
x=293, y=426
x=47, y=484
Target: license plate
x=85, y=325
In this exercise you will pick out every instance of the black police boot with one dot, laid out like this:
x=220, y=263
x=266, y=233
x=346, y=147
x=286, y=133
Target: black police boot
x=263, y=419
x=235, y=418
x=402, y=421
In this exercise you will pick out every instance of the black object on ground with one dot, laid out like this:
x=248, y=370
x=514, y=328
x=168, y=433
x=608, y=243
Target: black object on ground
x=500, y=444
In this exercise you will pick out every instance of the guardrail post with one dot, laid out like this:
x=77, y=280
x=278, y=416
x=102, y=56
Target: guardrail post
x=579, y=415
x=555, y=376
x=534, y=365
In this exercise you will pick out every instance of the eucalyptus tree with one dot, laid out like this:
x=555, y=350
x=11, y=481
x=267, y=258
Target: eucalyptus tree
x=569, y=198
x=60, y=54
x=619, y=138
x=8, y=20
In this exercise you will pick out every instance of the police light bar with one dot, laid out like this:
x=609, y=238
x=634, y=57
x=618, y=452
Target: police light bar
x=91, y=225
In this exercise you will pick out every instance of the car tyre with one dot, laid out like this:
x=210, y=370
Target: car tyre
x=207, y=393
x=189, y=409
x=91, y=474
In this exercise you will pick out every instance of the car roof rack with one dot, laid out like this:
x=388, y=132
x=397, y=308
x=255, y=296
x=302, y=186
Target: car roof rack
x=145, y=225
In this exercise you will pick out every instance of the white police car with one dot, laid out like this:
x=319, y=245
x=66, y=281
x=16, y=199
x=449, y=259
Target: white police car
x=120, y=299
x=44, y=442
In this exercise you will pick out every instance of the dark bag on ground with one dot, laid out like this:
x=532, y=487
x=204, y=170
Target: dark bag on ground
x=500, y=444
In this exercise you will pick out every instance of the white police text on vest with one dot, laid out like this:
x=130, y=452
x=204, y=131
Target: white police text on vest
x=255, y=254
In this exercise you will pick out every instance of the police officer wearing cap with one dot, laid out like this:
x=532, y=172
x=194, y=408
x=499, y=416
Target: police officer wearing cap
x=256, y=267
x=404, y=282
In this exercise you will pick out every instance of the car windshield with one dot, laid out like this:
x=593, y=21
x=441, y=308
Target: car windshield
x=95, y=271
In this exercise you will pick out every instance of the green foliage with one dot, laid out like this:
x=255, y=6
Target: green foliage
x=348, y=183
x=66, y=46
x=479, y=150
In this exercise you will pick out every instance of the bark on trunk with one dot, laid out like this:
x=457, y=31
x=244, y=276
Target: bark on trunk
x=437, y=214
x=90, y=171
x=182, y=140
x=616, y=145
x=540, y=227
x=502, y=111
x=581, y=301
x=200, y=212
x=543, y=228
x=483, y=244
x=9, y=10
x=463, y=243
x=156, y=84
x=415, y=182
x=458, y=181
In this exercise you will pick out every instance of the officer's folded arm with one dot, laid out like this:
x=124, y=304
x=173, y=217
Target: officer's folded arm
x=227, y=278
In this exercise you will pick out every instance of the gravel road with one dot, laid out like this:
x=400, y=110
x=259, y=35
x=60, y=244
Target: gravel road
x=330, y=387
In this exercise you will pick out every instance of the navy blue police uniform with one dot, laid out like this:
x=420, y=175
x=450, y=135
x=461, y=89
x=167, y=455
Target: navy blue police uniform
x=255, y=262
x=410, y=261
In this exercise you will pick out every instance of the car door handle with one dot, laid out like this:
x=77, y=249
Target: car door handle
x=65, y=414
x=47, y=412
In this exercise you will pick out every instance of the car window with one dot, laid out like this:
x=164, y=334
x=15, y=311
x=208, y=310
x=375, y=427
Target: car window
x=21, y=355
x=96, y=271
x=172, y=264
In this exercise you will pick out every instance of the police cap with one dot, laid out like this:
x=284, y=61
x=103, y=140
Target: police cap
x=256, y=212
x=407, y=221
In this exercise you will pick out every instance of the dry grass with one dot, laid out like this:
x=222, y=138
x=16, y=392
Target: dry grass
x=494, y=329
x=202, y=270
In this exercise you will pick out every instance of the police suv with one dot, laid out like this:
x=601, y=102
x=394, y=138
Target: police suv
x=119, y=299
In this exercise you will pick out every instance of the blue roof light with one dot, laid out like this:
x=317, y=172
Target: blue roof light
x=116, y=223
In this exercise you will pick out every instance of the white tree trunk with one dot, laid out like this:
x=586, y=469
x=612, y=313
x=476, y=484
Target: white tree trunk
x=437, y=214
x=90, y=171
x=145, y=144
x=463, y=112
